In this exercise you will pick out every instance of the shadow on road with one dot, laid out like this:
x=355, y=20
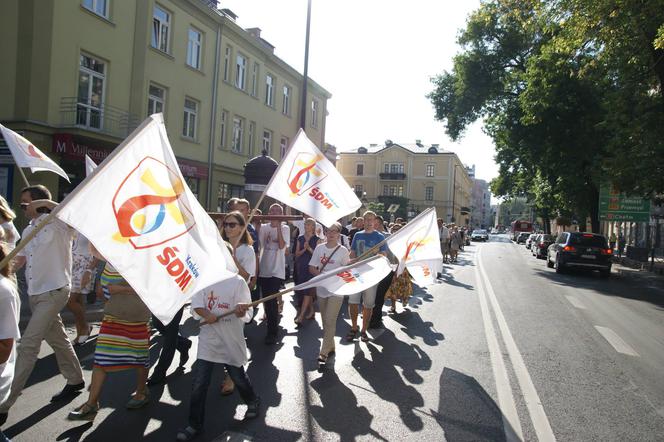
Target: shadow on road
x=413, y=325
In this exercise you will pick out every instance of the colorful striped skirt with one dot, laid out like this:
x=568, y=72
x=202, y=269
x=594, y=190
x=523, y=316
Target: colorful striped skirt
x=122, y=345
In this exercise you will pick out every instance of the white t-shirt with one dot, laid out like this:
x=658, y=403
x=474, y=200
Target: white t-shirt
x=322, y=255
x=223, y=342
x=247, y=258
x=273, y=261
x=11, y=234
x=9, y=315
x=81, y=245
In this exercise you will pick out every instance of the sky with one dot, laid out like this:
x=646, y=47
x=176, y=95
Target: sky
x=376, y=58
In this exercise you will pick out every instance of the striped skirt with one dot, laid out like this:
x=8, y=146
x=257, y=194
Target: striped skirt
x=122, y=345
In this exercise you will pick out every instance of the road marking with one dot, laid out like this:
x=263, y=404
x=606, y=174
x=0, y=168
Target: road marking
x=511, y=421
x=575, y=302
x=532, y=400
x=616, y=341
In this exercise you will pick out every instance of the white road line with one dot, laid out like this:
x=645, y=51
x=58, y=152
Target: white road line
x=511, y=421
x=616, y=341
x=533, y=402
x=575, y=302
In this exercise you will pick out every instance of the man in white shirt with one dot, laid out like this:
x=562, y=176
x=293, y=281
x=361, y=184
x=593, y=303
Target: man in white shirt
x=275, y=239
x=48, y=263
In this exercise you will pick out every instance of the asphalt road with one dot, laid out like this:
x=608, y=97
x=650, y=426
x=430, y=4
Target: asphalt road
x=502, y=349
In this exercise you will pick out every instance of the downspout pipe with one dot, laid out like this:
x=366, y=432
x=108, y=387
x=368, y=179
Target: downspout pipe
x=213, y=119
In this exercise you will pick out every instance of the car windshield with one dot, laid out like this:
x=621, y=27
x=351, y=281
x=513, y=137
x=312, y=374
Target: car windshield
x=546, y=238
x=587, y=240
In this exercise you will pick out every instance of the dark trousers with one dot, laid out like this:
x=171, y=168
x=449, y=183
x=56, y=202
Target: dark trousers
x=173, y=340
x=270, y=286
x=201, y=376
x=383, y=285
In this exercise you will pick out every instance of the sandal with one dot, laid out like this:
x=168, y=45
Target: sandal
x=134, y=403
x=364, y=337
x=352, y=334
x=85, y=412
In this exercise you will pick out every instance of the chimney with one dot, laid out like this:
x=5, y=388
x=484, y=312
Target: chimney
x=254, y=32
x=419, y=143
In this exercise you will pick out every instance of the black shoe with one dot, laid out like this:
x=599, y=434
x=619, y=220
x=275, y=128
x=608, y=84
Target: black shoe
x=184, y=352
x=156, y=380
x=68, y=391
x=253, y=409
x=270, y=340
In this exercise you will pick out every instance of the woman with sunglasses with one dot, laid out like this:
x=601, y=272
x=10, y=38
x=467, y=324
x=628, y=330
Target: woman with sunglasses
x=245, y=257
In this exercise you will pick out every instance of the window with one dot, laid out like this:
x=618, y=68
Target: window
x=99, y=7
x=314, y=113
x=393, y=190
x=240, y=71
x=238, y=132
x=428, y=193
x=227, y=63
x=394, y=168
x=224, y=120
x=254, y=80
x=156, y=97
x=269, y=90
x=194, y=48
x=228, y=191
x=91, y=79
x=267, y=141
x=429, y=170
x=190, y=112
x=359, y=190
x=359, y=171
x=161, y=23
x=283, y=146
x=252, y=134
x=285, y=108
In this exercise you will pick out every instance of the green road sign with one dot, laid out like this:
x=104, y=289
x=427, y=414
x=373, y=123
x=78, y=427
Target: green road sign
x=616, y=206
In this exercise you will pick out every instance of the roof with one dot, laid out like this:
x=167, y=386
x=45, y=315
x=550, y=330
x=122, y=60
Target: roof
x=413, y=148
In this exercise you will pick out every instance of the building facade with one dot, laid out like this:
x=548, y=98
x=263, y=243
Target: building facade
x=481, y=214
x=412, y=176
x=80, y=75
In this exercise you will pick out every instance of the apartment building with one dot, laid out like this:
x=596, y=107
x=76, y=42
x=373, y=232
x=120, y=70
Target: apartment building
x=412, y=176
x=80, y=75
x=481, y=213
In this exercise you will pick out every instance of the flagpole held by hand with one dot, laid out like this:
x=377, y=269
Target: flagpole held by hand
x=25, y=179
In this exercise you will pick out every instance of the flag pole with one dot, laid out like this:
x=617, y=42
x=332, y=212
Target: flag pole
x=25, y=179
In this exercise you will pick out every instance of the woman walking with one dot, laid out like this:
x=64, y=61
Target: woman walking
x=306, y=243
x=9, y=333
x=455, y=244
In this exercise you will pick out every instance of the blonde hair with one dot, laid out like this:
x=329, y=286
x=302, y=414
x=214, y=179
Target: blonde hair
x=6, y=212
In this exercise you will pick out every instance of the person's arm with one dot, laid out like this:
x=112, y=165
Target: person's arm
x=298, y=250
x=207, y=315
x=87, y=273
x=280, y=237
x=6, y=346
x=19, y=261
x=314, y=270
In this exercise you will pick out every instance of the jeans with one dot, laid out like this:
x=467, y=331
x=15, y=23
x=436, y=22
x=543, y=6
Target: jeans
x=201, y=376
x=270, y=286
x=173, y=340
x=383, y=285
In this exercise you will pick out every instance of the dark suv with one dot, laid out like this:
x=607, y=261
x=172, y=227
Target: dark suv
x=582, y=250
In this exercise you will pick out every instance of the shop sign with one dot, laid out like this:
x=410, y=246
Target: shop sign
x=192, y=170
x=65, y=145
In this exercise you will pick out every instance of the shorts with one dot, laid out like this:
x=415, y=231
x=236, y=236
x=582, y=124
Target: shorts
x=80, y=264
x=368, y=297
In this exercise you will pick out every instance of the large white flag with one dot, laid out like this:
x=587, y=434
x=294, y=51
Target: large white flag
x=27, y=155
x=139, y=213
x=352, y=278
x=418, y=241
x=90, y=165
x=425, y=273
x=309, y=182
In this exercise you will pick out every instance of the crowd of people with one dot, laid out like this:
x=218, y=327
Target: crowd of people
x=61, y=269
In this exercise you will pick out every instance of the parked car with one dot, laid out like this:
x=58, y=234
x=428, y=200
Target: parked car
x=580, y=250
x=541, y=244
x=479, y=235
x=521, y=237
x=529, y=240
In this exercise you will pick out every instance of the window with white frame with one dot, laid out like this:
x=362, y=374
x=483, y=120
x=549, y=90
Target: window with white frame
x=156, y=99
x=254, y=80
x=91, y=89
x=99, y=7
x=238, y=134
x=227, y=63
x=224, y=123
x=269, y=90
x=190, y=115
x=267, y=141
x=430, y=168
x=314, y=113
x=283, y=145
x=240, y=71
x=428, y=193
x=394, y=168
x=359, y=169
x=285, y=108
x=252, y=135
x=161, y=24
x=194, y=43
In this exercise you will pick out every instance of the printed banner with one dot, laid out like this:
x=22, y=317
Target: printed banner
x=418, y=241
x=27, y=155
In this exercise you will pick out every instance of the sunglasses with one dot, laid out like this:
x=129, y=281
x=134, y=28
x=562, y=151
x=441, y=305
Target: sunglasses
x=24, y=205
x=231, y=225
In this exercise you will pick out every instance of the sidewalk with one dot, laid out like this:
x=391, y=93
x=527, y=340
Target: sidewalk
x=631, y=269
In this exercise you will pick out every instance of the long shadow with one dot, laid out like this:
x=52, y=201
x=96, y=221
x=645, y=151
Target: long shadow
x=465, y=411
x=449, y=279
x=309, y=337
x=36, y=417
x=413, y=325
x=617, y=287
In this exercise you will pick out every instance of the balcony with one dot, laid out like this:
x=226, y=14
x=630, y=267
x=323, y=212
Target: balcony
x=107, y=120
x=392, y=176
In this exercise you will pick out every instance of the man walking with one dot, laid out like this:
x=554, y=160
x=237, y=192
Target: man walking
x=48, y=263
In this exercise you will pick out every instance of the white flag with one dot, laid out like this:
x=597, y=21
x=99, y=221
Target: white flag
x=139, y=213
x=352, y=278
x=418, y=241
x=424, y=273
x=27, y=155
x=90, y=165
x=309, y=182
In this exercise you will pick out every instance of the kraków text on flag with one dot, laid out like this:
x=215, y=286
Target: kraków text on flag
x=418, y=241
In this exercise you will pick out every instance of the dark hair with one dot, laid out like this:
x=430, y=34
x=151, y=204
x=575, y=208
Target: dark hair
x=4, y=251
x=37, y=192
x=244, y=239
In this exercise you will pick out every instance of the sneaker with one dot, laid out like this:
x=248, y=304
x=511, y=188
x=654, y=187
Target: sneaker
x=188, y=433
x=68, y=391
x=253, y=408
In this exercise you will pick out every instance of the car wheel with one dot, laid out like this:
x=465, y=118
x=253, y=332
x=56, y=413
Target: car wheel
x=549, y=264
x=558, y=266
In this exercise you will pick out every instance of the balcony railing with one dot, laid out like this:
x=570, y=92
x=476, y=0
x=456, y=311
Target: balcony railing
x=108, y=120
x=392, y=176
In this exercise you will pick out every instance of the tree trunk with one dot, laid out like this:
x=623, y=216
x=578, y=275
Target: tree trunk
x=594, y=209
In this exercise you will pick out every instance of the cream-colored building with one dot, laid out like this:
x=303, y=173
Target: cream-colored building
x=79, y=75
x=414, y=176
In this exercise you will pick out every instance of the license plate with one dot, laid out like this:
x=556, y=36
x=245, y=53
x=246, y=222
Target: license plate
x=589, y=256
